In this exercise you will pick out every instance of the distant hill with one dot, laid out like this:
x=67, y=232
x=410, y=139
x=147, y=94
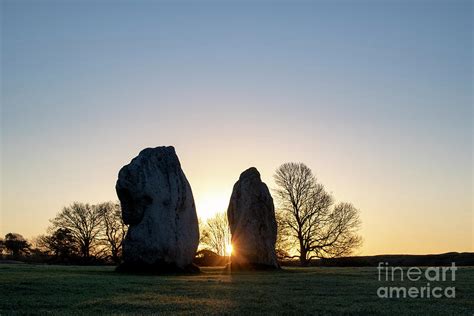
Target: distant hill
x=209, y=258
x=445, y=259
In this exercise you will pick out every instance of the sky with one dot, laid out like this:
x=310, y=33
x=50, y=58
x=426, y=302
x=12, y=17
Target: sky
x=374, y=96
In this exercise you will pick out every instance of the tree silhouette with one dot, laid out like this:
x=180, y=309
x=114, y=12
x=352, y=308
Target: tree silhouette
x=16, y=244
x=84, y=223
x=113, y=229
x=308, y=217
x=61, y=244
x=2, y=246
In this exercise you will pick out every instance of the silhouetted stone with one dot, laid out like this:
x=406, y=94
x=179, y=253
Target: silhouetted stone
x=252, y=223
x=157, y=203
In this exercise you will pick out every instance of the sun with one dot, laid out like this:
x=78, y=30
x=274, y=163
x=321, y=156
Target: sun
x=228, y=249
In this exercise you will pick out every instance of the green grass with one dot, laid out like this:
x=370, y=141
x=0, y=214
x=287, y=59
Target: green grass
x=41, y=289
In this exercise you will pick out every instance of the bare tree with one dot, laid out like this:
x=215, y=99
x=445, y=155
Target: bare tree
x=308, y=217
x=83, y=221
x=215, y=234
x=113, y=229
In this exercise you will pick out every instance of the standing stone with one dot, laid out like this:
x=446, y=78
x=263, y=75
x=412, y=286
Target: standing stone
x=252, y=223
x=158, y=205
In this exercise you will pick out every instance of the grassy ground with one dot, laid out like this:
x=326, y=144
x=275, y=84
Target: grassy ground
x=92, y=290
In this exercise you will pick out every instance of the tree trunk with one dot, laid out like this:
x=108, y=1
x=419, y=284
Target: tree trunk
x=303, y=253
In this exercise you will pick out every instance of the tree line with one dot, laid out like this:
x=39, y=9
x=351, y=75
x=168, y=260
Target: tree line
x=310, y=226
x=80, y=233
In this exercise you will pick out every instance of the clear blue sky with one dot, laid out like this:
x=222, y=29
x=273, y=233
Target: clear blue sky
x=375, y=96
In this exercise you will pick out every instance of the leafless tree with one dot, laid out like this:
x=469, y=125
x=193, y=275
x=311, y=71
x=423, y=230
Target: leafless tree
x=83, y=221
x=309, y=218
x=215, y=234
x=113, y=229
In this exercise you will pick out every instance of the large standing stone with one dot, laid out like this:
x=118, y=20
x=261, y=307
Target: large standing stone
x=252, y=223
x=157, y=203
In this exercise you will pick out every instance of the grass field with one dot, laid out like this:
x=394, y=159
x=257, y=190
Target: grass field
x=41, y=289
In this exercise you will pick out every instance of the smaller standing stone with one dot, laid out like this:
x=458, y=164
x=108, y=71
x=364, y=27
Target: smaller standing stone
x=251, y=215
